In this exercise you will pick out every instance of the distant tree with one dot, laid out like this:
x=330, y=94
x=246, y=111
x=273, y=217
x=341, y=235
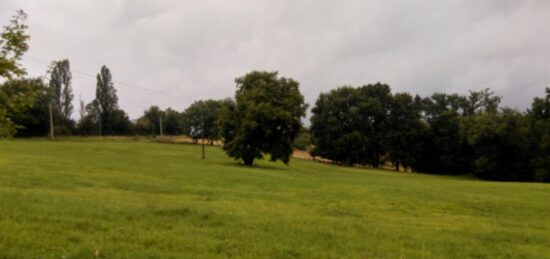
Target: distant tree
x=90, y=122
x=336, y=127
x=60, y=85
x=405, y=130
x=149, y=123
x=539, y=116
x=480, y=101
x=13, y=44
x=500, y=144
x=112, y=120
x=443, y=150
x=172, y=122
x=350, y=125
x=265, y=119
x=303, y=140
x=35, y=120
x=201, y=119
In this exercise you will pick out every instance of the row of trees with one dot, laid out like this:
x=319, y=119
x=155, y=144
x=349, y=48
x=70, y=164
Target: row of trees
x=441, y=134
x=367, y=125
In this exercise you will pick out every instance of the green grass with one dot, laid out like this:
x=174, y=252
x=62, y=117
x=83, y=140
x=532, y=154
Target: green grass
x=126, y=199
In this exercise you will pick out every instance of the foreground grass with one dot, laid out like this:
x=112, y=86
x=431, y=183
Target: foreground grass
x=124, y=199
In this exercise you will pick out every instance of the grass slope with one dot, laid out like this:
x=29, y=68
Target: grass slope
x=124, y=199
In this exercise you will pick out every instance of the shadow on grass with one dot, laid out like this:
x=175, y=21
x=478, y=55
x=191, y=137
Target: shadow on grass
x=256, y=166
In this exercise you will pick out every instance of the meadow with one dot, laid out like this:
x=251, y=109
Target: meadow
x=91, y=198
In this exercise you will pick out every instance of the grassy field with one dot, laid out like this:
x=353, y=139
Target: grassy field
x=126, y=199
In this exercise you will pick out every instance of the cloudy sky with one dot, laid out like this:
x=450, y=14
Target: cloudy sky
x=169, y=53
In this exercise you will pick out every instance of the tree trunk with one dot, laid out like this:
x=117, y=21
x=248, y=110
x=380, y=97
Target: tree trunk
x=248, y=160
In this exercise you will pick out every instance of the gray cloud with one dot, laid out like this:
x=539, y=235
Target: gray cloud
x=194, y=49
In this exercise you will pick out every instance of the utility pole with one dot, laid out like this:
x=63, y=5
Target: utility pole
x=160, y=125
x=202, y=131
x=51, y=121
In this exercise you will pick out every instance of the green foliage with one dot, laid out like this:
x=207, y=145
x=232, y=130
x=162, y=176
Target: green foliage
x=128, y=199
x=539, y=114
x=200, y=119
x=303, y=140
x=35, y=120
x=501, y=145
x=350, y=125
x=172, y=122
x=13, y=44
x=444, y=150
x=149, y=123
x=16, y=98
x=111, y=120
x=265, y=118
x=60, y=85
x=89, y=124
x=405, y=130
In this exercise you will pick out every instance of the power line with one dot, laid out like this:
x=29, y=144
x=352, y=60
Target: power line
x=86, y=76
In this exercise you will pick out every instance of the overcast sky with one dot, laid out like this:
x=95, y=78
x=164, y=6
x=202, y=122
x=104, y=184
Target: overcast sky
x=189, y=50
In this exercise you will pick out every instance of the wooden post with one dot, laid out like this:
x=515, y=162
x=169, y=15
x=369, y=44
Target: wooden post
x=51, y=122
x=160, y=125
x=202, y=131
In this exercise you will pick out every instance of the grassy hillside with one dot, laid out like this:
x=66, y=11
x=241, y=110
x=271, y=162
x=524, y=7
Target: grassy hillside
x=114, y=199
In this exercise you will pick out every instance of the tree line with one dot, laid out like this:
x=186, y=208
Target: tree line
x=440, y=134
x=366, y=125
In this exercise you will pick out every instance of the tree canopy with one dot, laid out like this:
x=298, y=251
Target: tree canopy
x=13, y=44
x=265, y=118
x=200, y=119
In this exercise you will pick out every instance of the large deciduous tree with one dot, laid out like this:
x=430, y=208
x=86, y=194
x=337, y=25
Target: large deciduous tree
x=265, y=119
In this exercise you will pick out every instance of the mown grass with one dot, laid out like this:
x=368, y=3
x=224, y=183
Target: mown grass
x=124, y=199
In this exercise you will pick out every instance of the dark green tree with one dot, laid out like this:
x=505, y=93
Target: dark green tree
x=443, y=150
x=539, y=115
x=112, y=120
x=350, y=125
x=172, y=122
x=405, y=130
x=90, y=122
x=149, y=123
x=35, y=120
x=501, y=145
x=17, y=97
x=265, y=119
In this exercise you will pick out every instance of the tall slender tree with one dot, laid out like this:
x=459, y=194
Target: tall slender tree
x=107, y=100
x=60, y=85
